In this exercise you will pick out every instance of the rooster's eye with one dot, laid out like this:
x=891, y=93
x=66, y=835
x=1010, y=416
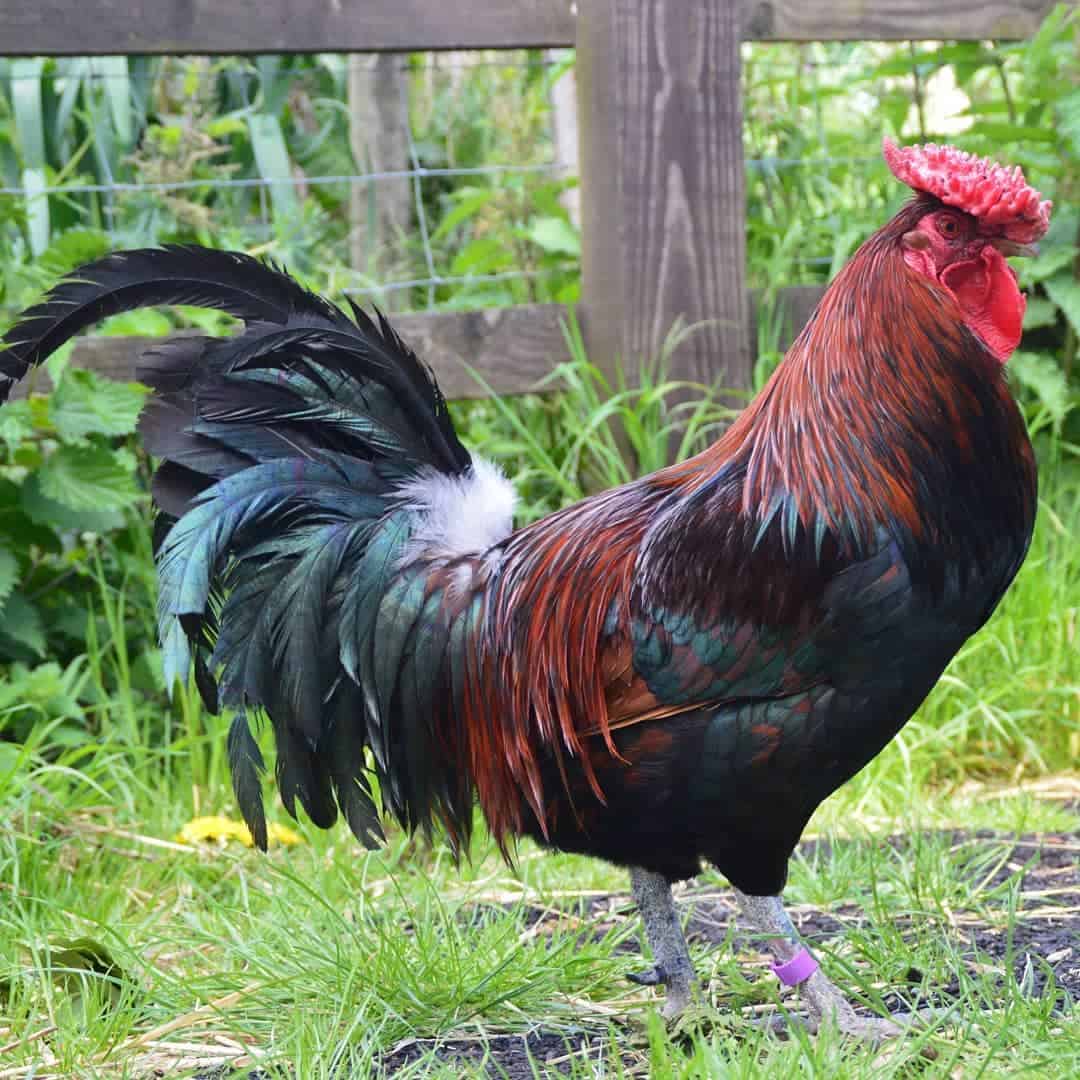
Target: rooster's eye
x=948, y=227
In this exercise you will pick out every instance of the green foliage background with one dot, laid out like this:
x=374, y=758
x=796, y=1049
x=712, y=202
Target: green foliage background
x=139, y=147
x=123, y=952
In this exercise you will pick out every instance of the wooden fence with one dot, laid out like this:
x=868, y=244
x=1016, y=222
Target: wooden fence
x=660, y=121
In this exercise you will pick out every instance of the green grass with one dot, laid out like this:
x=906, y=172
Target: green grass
x=320, y=959
x=321, y=953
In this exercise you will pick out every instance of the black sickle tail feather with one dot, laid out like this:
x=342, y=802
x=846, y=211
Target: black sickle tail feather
x=280, y=539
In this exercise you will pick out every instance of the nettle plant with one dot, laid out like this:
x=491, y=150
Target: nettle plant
x=73, y=542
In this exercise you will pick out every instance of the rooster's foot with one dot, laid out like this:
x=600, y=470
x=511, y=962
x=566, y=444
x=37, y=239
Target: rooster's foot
x=673, y=969
x=795, y=967
x=825, y=1003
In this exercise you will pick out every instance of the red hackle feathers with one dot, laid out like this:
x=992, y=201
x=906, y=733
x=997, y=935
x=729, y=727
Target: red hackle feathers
x=801, y=438
x=994, y=194
x=541, y=682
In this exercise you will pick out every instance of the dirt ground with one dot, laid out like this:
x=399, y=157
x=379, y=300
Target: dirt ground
x=1046, y=935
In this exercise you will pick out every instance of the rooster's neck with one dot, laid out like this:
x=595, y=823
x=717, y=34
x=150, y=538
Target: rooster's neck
x=886, y=412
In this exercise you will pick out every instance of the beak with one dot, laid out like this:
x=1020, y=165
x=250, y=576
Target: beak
x=1011, y=247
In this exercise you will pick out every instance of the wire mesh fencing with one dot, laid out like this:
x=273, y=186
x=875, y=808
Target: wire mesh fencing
x=415, y=181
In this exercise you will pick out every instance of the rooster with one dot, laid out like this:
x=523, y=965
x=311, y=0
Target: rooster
x=678, y=669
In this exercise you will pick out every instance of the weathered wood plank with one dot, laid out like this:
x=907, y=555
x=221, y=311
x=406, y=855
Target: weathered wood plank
x=256, y=26
x=379, y=213
x=105, y=27
x=890, y=20
x=662, y=186
x=512, y=349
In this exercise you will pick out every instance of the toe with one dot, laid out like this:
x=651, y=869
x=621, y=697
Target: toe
x=871, y=1029
x=653, y=977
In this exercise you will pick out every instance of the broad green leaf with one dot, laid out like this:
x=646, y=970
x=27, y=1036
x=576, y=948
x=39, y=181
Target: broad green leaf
x=275, y=79
x=556, y=235
x=50, y=514
x=16, y=424
x=1068, y=118
x=272, y=160
x=1038, y=374
x=1038, y=52
x=74, y=72
x=18, y=529
x=45, y=688
x=9, y=574
x=72, y=248
x=93, y=980
x=87, y=478
x=1047, y=265
x=467, y=202
x=103, y=147
x=26, y=105
x=30, y=124
x=1039, y=313
x=85, y=404
x=224, y=126
x=114, y=73
x=481, y=256
x=37, y=209
x=1064, y=290
x=20, y=623
x=12, y=756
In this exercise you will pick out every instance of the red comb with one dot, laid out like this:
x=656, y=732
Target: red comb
x=978, y=186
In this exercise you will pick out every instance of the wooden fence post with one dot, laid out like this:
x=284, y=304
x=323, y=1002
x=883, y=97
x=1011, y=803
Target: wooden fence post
x=379, y=210
x=662, y=185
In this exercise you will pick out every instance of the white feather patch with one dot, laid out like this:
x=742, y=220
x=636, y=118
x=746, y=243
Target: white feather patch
x=459, y=515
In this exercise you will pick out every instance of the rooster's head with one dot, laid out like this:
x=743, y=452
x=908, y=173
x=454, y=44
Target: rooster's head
x=975, y=212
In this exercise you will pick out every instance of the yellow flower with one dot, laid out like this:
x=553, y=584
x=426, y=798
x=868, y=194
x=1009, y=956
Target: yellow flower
x=223, y=829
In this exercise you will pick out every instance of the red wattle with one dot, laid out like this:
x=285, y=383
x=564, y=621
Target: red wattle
x=993, y=305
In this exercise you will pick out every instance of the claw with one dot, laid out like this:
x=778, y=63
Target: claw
x=655, y=976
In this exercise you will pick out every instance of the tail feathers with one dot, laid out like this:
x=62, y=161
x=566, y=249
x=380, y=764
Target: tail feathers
x=245, y=507
x=246, y=764
x=301, y=363
x=344, y=649
x=320, y=538
x=200, y=277
x=328, y=628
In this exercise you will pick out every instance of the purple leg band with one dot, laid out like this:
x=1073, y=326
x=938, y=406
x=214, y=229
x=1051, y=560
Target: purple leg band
x=797, y=970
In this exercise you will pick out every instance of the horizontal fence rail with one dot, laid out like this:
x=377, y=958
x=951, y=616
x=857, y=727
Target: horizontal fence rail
x=113, y=27
x=116, y=27
x=507, y=350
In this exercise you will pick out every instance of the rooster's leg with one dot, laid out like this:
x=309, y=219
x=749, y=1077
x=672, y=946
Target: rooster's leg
x=796, y=967
x=652, y=894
